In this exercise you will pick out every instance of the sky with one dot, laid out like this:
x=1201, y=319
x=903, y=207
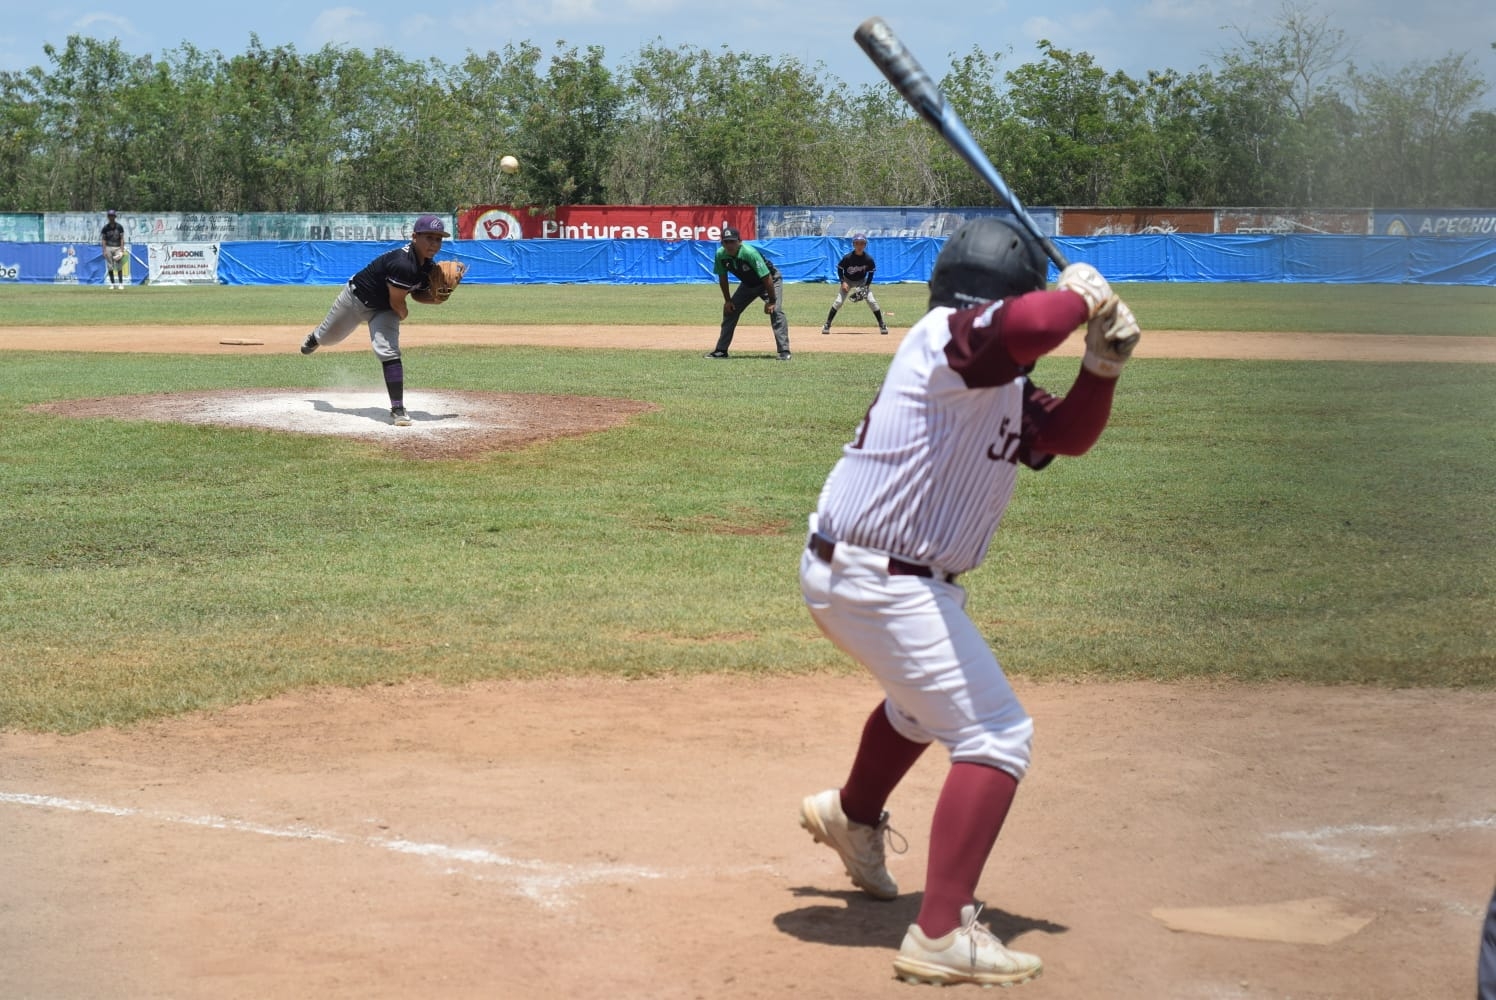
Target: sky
x=1134, y=36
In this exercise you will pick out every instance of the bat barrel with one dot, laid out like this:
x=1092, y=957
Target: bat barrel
x=918, y=88
x=898, y=64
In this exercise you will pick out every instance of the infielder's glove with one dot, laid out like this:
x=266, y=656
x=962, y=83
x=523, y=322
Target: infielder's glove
x=858, y=293
x=1111, y=335
x=443, y=281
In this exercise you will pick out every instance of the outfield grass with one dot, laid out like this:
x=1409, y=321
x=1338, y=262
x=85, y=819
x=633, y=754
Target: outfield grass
x=1321, y=522
x=1384, y=309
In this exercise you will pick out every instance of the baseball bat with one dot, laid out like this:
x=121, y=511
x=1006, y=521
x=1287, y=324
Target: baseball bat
x=916, y=86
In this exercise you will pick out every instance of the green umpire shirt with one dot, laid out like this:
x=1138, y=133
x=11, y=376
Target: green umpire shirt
x=748, y=265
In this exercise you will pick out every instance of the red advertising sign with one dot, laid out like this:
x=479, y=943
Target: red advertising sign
x=606, y=222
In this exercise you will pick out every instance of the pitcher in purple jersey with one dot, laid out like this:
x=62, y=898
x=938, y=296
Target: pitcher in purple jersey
x=910, y=506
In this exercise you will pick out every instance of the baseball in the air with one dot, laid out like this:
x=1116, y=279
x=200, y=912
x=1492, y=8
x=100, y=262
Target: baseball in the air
x=509, y=165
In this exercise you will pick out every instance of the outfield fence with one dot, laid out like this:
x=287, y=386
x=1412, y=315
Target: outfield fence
x=1165, y=257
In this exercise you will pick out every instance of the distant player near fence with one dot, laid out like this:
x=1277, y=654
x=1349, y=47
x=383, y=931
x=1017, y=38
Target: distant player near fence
x=855, y=274
x=112, y=244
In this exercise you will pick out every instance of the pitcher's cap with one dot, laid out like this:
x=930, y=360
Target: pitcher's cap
x=431, y=224
x=110, y=212
x=730, y=235
x=859, y=237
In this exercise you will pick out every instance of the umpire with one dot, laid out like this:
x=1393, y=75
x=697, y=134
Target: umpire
x=757, y=279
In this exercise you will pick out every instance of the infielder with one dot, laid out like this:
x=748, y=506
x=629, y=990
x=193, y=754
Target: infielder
x=112, y=243
x=377, y=296
x=911, y=505
x=855, y=272
x=757, y=279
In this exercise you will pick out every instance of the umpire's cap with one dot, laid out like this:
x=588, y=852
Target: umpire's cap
x=986, y=259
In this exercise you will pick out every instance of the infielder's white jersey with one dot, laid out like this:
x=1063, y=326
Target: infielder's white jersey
x=934, y=462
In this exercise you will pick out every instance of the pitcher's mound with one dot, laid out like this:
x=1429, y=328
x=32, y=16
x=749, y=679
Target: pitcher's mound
x=444, y=424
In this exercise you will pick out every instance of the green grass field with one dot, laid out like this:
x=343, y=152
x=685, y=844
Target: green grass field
x=1317, y=522
x=1400, y=309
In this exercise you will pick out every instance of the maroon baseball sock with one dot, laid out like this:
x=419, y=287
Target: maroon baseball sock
x=973, y=805
x=883, y=758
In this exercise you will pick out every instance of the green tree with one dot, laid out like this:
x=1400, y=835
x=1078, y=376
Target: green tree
x=22, y=135
x=1164, y=154
x=1415, y=124
x=570, y=129
x=1071, y=110
x=78, y=109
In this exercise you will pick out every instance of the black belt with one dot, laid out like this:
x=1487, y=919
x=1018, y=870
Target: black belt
x=824, y=548
x=353, y=290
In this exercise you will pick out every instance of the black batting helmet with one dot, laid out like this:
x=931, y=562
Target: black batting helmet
x=986, y=259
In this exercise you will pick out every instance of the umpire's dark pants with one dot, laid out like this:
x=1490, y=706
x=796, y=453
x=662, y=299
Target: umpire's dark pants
x=746, y=295
x=1486, y=968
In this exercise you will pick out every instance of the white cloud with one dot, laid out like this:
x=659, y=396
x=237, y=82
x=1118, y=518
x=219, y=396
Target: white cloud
x=348, y=27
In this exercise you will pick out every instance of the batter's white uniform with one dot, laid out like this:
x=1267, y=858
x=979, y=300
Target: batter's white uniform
x=913, y=502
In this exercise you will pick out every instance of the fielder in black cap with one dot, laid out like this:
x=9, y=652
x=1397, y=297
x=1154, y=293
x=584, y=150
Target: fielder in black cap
x=112, y=243
x=757, y=279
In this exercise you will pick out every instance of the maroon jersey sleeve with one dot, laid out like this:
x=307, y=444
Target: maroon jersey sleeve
x=1053, y=425
x=994, y=343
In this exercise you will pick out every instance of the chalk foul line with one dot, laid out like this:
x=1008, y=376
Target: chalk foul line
x=544, y=882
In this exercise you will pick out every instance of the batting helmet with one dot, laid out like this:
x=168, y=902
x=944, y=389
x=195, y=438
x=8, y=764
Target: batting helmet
x=986, y=259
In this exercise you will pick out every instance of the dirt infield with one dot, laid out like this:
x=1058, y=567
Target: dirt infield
x=638, y=839
x=750, y=340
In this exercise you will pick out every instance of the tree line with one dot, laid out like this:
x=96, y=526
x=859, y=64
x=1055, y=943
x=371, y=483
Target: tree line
x=1285, y=121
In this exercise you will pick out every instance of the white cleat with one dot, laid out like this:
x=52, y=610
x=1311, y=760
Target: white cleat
x=969, y=954
x=860, y=846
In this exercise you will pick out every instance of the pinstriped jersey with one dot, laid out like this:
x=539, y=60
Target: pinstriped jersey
x=935, y=459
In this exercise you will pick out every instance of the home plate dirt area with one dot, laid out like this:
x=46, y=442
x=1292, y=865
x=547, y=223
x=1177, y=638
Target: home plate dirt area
x=638, y=839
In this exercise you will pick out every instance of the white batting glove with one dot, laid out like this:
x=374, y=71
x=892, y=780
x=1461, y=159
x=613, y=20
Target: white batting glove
x=1111, y=335
x=1087, y=282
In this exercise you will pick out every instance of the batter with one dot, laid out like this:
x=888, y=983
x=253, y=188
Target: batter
x=911, y=505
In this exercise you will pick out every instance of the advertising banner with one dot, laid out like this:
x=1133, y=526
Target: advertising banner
x=21, y=227
x=1135, y=221
x=142, y=227
x=220, y=227
x=366, y=227
x=605, y=222
x=183, y=263
x=54, y=263
x=844, y=220
x=1290, y=221
x=1434, y=222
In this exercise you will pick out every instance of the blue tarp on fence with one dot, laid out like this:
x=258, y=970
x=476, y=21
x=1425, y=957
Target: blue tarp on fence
x=543, y=262
x=1153, y=258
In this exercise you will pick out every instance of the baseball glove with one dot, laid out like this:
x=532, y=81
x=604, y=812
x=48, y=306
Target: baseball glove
x=858, y=293
x=443, y=281
x=116, y=254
